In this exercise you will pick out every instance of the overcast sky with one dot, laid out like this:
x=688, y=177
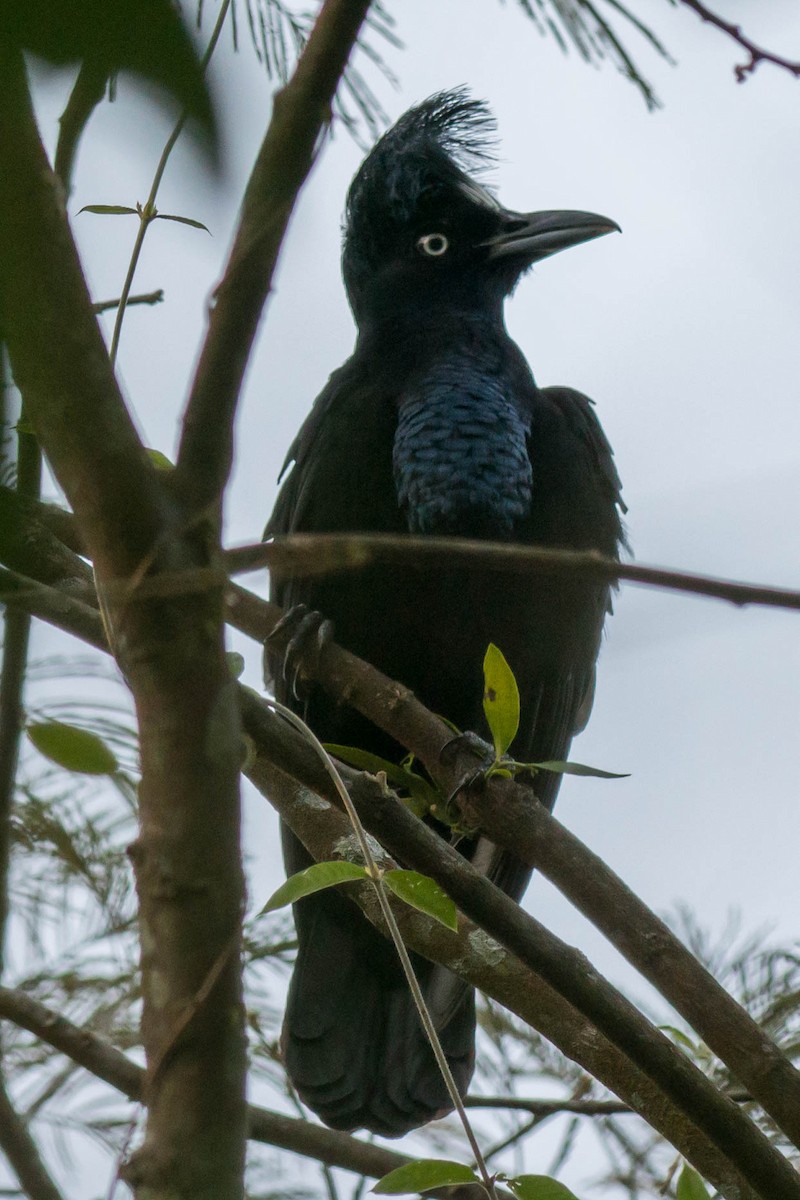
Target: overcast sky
x=685, y=332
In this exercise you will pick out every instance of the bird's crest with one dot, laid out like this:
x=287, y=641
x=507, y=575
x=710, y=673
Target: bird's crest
x=446, y=138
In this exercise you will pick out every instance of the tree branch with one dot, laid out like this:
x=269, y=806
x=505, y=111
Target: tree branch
x=308, y=554
x=22, y=1152
x=86, y=94
x=756, y=53
x=301, y=112
x=53, y=606
x=326, y=553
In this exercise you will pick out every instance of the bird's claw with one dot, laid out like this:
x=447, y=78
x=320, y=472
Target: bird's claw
x=310, y=632
x=468, y=776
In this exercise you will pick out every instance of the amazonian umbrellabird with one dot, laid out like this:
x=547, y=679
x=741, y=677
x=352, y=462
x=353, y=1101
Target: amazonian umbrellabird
x=436, y=426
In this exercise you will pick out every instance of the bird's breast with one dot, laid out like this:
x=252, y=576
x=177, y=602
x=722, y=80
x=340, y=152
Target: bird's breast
x=461, y=462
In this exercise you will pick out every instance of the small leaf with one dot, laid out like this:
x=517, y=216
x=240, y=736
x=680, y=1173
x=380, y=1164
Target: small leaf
x=398, y=775
x=691, y=1186
x=314, y=879
x=235, y=662
x=183, y=221
x=573, y=768
x=539, y=1187
x=365, y=761
x=500, y=699
x=73, y=748
x=423, y=893
x=108, y=209
x=680, y=1038
x=159, y=460
x=424, y=1175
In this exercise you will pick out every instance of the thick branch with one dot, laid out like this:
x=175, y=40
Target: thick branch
x=301, y=113
x=57, y=353
x=757, y=55
x=186, y=857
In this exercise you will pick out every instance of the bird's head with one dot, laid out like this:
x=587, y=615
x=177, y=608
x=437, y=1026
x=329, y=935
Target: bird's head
x=421, y=230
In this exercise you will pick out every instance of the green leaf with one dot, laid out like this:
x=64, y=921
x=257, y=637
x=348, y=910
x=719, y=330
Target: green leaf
x=146, y=37
x=680, y=1038
x=314, y=879
x=183, y=221
x=368, y=762
x=108, y=209
x=159, y=460
x=691, y=1186
x=539, y=1187
x=424, y=1175
x=73, y=748
x=424, y=893
x=500, y=699
x=235, y=662
x=398, y=775
x=573, y=768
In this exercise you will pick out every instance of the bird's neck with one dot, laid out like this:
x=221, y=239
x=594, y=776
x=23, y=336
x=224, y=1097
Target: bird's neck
x=414, y=334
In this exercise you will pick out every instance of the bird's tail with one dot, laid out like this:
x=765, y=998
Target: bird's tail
x=353, y=1043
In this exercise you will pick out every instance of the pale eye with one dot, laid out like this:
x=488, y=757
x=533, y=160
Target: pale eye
x=433, y=244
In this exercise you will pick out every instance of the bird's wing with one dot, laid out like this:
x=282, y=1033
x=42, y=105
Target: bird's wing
x=576, y=504
x=340, y=477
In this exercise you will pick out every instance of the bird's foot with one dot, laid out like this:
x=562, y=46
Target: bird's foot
x=457, y=754
x=308, y=632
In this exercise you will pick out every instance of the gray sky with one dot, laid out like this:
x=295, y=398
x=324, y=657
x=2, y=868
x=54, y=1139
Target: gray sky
x=685, y=332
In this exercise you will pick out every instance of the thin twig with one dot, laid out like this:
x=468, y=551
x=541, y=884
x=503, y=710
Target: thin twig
x=147, y=211
x=757, y=54
x=309, y=554
x=546, y=1107
x=156, y=297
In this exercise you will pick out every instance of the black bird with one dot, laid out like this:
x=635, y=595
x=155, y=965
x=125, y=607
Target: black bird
x=436, y=426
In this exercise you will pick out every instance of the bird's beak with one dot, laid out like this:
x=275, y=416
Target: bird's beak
x=534, y=236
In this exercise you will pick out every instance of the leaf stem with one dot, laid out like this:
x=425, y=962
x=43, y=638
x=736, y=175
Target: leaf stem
x=147, y=211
